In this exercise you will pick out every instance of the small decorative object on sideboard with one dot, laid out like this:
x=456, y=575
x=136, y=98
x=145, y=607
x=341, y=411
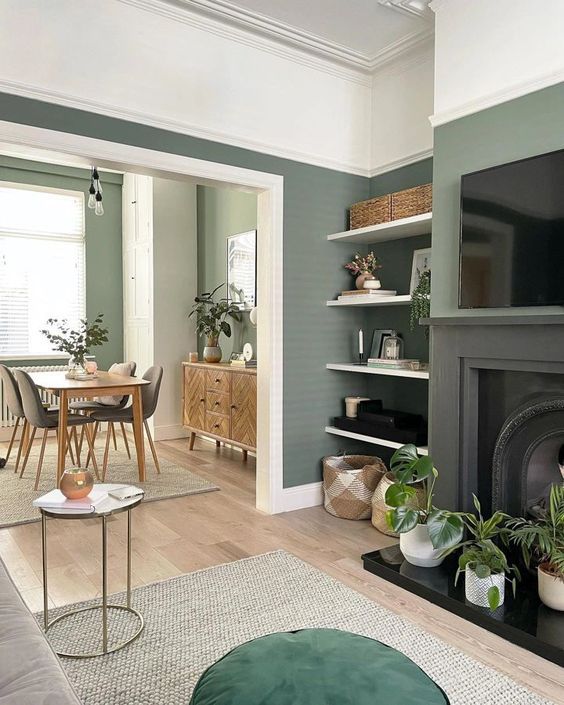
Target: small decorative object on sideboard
x=364, y=267
x=210, y=321
x=76, y=342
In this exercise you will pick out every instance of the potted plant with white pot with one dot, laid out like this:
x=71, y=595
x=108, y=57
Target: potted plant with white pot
x=542, y=540
x=482, y=561
x=424, y=530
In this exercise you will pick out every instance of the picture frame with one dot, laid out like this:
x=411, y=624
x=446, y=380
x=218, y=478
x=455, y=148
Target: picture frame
x=378, y=337
x=242, y=269
x=236, y=357
x=421, y=262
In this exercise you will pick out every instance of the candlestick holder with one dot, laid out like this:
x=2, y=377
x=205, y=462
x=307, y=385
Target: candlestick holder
x=361, y=360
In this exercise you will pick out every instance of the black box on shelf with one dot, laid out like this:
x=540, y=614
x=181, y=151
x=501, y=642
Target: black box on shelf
x=416, y=435
x=374, y=413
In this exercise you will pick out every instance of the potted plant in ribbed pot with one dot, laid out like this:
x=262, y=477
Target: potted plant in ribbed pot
x=211, y=321
x=424, y=530
x=542, y=541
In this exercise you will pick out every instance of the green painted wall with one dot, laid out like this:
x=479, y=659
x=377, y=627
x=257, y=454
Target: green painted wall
x=520, y=128
x=103, y=244
x=221, y=213
x=405, y=177
x=315, y=204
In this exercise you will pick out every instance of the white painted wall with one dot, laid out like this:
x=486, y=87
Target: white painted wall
x=402, y=101
x=215, y=82
x=490, y=51
x=175, y=275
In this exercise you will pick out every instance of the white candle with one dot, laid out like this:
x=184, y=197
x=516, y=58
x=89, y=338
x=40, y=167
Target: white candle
x=360, y=342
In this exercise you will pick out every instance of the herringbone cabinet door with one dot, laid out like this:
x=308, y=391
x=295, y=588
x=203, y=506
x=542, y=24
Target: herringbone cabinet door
x=194, y=397
x=244, y=409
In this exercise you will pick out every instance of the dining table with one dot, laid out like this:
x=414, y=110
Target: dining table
x=103, y=384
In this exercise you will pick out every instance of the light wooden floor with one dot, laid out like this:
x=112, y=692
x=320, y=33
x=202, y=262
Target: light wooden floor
x=175, y=536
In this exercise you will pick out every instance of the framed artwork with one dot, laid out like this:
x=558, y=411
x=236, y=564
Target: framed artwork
x=242, y=269
x=379, y=335
x=421, y=262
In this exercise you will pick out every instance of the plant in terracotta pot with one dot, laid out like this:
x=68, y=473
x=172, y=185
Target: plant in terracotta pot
x=211, y=321
x=77, y=342
x=424, y=530
x=483, y=562
x=542, y=543
x=364, y=268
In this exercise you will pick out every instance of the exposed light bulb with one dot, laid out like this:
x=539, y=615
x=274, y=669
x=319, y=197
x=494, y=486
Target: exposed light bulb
x=98, y=185
x=92, y=196
x=99, y=208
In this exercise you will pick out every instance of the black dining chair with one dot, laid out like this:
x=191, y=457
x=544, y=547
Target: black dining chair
x=38, y=417
x=150, y=398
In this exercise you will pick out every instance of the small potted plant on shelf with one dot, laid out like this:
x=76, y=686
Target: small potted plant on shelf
x=76, y=343
x=424, y=530
x=483, y=562
x=421, y=301
x=542, y=542
x=364, y=268
x=210, y=321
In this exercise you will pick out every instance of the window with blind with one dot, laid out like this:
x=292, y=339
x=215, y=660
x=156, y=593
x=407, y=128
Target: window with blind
x=42, y=268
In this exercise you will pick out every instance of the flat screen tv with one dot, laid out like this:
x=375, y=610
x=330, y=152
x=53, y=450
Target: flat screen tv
x=512, y=234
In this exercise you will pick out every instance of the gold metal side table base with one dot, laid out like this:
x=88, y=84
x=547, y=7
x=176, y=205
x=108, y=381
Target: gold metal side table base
x=102, y=652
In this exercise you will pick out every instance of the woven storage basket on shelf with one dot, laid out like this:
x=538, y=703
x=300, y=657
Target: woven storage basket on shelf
x=412, y=201
x=349, y=482
x=379, y=506
x=372, y=212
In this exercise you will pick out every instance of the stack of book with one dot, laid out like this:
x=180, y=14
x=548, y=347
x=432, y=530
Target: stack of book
x=56, y=500
x=382, y=363
x=243, y=363
x=364, y=295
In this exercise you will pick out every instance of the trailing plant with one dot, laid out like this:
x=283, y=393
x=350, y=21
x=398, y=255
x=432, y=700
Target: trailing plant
x=211, y=314
x=363, y=263
x=411, y=499
x=76, y=342
x=543, y=538
x=480, y=553
x=421, y=301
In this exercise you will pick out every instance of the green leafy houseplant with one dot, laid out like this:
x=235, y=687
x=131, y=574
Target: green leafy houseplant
x=481, y=554
x=76, y=343
x=421, y=301
x=411, y=499
x=211, y=315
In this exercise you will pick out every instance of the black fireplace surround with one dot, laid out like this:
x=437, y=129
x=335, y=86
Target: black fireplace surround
x=497, y=409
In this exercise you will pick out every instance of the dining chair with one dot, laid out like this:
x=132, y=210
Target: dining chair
x=127, y=369
x=13, y=400
x=149, y=398
x=37, y=417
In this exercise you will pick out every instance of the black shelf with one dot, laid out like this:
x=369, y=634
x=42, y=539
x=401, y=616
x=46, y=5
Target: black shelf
x=522, y=620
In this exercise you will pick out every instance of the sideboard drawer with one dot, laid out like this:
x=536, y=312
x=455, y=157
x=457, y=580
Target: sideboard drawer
x=218, y=381
x=218, y=424
x=217, y=403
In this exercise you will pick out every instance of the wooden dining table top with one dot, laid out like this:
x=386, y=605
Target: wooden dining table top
x=104, y=380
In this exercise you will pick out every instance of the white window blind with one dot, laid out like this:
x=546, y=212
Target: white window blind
x=42, y=268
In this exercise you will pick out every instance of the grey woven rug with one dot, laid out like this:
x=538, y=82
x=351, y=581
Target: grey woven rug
x=16, y=496
x=194, y=619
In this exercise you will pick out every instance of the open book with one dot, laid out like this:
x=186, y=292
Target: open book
x=57, y=500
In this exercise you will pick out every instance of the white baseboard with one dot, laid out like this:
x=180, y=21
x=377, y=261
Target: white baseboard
x=168, y=433
x=301, y=497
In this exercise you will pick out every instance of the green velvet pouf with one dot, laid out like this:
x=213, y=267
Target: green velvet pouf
x=316, y=667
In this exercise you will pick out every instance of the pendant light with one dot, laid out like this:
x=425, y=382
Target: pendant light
x=95, y=192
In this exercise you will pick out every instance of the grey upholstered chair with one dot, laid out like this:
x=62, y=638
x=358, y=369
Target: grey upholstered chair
x=149, y=397
x=86, y=407
x=13, y=401
x=38, y=417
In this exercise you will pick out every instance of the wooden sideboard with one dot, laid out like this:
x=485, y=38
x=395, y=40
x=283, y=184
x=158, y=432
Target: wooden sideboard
x=220, y=401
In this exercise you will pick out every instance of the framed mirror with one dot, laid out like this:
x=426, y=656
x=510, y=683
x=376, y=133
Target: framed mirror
x=242, y=269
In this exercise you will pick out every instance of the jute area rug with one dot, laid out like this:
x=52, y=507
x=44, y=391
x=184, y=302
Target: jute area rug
x=194, y=619
x=17, y=495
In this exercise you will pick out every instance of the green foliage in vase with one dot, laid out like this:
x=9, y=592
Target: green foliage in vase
x=421, y=301
x=543, y=538
x=211, y=314
x=76, y=343
x=410, y=507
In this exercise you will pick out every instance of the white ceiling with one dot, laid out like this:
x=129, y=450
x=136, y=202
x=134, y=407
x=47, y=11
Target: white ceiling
x=363, y=26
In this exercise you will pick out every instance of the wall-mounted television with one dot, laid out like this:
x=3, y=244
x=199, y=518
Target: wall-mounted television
x=512, y=234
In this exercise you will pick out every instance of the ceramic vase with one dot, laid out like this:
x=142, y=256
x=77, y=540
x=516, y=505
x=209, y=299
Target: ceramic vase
x=76, y=483
x=417, y=548
x=476, y=589
x=212, y=351
x=551, y=589
x=362, y=278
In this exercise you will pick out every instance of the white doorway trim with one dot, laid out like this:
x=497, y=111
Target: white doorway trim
x=18, y=140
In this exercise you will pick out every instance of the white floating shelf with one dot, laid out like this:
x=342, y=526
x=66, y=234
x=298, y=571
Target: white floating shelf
x=364, y=369
x=394, y=230
x=422, y=450
x=378, y=301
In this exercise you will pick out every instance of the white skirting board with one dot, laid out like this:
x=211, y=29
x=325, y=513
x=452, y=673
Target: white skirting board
x=301, y=497
x=168, y=433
